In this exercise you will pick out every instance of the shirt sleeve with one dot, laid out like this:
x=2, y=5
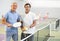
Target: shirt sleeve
x=6, y=16
x=34, y=17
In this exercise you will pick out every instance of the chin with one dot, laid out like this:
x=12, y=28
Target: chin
x=14, y=10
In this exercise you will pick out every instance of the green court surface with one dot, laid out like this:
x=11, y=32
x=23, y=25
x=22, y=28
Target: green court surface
x=56, y=35
x=54, y=39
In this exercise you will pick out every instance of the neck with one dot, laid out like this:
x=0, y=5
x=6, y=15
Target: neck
x=26, y=12
x=13, y=11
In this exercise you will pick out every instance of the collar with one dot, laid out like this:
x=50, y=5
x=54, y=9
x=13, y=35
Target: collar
x=12, y=12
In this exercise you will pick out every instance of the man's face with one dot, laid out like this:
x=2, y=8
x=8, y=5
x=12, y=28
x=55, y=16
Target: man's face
x=27, y=8
x=14, y=6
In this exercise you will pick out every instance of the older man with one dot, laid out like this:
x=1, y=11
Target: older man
x=10, y=18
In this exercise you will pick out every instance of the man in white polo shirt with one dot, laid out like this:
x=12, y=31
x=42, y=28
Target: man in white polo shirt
x=29, y=21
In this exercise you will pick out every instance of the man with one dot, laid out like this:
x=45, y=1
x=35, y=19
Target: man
x=29, y=21
x=9, y=19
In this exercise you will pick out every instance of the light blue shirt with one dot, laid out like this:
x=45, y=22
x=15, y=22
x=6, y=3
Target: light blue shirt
x=12, y=17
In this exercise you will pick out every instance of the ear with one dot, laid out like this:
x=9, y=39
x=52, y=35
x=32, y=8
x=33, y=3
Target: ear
x=11, y=7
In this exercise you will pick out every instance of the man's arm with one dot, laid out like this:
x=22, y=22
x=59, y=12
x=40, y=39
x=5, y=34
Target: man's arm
x=34, y=23
x=20, y=20
x=6, y=23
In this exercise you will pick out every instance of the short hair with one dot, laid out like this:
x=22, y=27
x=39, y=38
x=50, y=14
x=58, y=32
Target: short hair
x=27, y=4
x=14, y=3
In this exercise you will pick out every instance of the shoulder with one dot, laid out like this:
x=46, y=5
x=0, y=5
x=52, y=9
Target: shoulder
x=8, y=13
x=32, y=13
x=33, y=16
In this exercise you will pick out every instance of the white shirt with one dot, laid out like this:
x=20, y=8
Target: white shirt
x=28, y=21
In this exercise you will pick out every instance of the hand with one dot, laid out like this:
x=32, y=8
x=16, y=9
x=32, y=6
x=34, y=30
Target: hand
x=9, y=25
x=31, y=26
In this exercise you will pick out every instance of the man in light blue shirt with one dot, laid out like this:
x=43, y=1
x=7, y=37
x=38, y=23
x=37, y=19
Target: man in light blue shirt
x=9, y=19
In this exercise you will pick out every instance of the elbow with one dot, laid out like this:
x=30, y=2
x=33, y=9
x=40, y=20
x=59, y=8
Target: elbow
x=3, y=21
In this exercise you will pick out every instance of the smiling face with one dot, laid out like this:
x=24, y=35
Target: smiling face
x=14, y=6
x=27, y=8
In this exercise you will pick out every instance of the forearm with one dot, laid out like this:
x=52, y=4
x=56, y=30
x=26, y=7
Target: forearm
x=21, y=24
x=6, y=23
x=34, y=23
